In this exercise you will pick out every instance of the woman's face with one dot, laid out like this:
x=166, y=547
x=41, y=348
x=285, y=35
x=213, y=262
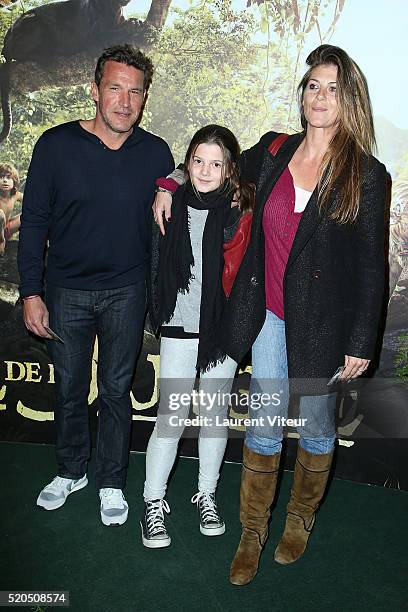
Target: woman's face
x=206, y=167
x=319, y=98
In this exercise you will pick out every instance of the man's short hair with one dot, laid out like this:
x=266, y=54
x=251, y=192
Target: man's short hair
x=129, y=55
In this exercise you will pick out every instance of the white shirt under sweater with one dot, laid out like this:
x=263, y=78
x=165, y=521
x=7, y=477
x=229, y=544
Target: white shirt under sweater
x=302, y=197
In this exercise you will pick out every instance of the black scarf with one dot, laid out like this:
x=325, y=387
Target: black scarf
x=176, y=260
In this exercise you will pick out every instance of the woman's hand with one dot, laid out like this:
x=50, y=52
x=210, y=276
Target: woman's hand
x=162, y=204
x=353, y=367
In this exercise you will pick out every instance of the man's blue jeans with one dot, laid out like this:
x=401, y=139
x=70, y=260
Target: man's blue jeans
x=116, y=317
x=270, y=376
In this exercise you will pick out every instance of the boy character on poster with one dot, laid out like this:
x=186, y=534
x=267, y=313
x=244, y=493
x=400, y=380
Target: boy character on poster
x=9, y=196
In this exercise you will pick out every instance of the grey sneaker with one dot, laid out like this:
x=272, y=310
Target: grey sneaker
x=53, y=496
x=154, y=534
x=114, y=507
x=211, y=523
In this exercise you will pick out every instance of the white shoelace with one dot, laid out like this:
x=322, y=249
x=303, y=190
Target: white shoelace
x=155, y=516
x=207, y=506
x=112, y=498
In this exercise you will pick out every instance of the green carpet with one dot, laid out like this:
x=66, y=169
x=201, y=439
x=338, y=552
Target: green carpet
x=356, y=560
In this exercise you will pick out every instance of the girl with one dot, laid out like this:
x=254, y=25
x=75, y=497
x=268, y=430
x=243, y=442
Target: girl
x=186, y=301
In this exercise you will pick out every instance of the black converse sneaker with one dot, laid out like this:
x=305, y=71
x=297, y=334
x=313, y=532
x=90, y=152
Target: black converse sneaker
x=211, y=523
x=154, y=534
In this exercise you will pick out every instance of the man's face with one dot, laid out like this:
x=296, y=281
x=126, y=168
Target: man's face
x=119, y=97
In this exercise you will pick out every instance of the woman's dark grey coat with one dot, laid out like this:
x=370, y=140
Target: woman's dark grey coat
x=334, y=281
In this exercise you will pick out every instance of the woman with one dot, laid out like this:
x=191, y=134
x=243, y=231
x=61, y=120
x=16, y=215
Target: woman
x=309, y=291
x=320, y=274
x=186, y=302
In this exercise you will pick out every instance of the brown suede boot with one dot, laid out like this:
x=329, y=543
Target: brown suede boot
x=309, y=483
x=258, y=484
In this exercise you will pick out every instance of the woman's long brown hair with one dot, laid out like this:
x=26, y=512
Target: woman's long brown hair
x=342, y=163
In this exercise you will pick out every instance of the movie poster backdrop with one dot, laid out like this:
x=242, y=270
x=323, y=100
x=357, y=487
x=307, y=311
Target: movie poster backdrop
x=231, y=62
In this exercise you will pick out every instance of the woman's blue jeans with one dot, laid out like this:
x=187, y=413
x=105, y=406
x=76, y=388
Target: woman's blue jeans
x=270, y=378
x=116, y=317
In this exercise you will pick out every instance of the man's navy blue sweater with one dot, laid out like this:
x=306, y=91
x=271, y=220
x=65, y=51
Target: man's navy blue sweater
x=92, y=204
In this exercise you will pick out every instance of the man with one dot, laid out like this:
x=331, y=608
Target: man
x=87, y=179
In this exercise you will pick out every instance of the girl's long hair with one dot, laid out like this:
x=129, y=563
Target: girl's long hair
x=231, y=180
x=354, y=138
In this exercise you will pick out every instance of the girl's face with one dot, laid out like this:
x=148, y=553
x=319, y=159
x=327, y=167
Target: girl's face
x=206, y=168
x=6, y=183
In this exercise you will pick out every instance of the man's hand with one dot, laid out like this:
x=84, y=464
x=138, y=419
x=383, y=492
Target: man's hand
x=353, y=367
x=162, y=204
x=35, y=315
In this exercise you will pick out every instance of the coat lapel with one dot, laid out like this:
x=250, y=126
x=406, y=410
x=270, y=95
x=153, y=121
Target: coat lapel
x=273, y=166
x=307, y=226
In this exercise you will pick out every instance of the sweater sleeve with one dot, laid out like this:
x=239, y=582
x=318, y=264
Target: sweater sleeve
x=171, y=182
x=35, y=220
